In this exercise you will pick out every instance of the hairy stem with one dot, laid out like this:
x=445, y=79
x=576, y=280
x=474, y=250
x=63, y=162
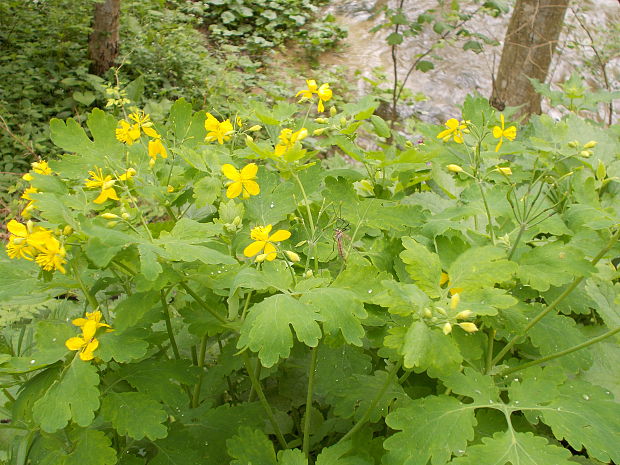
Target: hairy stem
x=202, y=303
x=173, y=342
x=201, y=363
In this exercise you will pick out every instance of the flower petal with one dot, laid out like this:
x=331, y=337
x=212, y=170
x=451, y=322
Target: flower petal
x=251, y=187
x=497, y=132
x=280, y=235
x=87, y=353
x=79, y=322
x=452, y=123
x=231, y=172
x=249, y=171
x=254, y=248
x=269, y=249
x=510, y=133
x=74, y=343
x=234, y=189
x=89, y=329
x=17, y=229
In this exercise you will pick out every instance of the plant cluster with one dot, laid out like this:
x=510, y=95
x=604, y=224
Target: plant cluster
x=221, y=294
x=259, y=25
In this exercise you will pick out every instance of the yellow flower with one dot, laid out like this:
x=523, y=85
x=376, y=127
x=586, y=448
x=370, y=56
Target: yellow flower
x=325, y=94
x=499, y=132
x=128, y=133
x=219, y=131
x=127, y=175
x=263, y=242
x=30, y=205
x=26, y=239
x=105, y=183
x=52, y=256
x=455, y=130
x=307, y=93
x=143, y=122
x=90, y=316
x=242, y=182
x=86, y=343
x=39, y=167
x=157, y=148
x=288, y=138
x=443, y=279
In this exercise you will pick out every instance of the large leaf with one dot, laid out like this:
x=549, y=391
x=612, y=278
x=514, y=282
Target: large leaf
x=341, y=311
x=266, y=329
x=135, y=414
x=73, y=397
x=513, y=448
x=430, y=428
x=90, y=446
x=423, y=266
x=251, y=446
x=122, y=346
x=480, y=267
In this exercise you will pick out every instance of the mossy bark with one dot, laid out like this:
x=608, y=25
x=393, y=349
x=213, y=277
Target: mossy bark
x=530, y=42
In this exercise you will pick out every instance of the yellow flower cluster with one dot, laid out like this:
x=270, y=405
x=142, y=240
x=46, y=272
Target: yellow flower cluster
x=455, y=130
x=263, y=246
x=38, y=167
x=288, y=139
x=499, y=132
x=86, y=344
x=106, y=183
x=323, y=92
x=32, y=242
x=130, y=132
x=218, y=131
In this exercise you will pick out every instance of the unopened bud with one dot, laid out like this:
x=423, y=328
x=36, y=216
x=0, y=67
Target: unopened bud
x=468, y=327
x=447, y=328
x=443, y=279
x=573, y=143
x=236, y=221
x=292, y=256
x=67, y=230
x=318, y=132
x=454, y=301
x=125, y=215
x=261, y=258
x=256, y=127
x=590, y=145
x=18, y=240
x=108, y=184
x=29, y=226
x=585, y=153
x=130, y=172
x=308, y=274
x=464, y=314
x=408, y=143
x=441, y=310
x=151, y=163
x=454, y=168
x=427, y=313
x=170, y=189
x=248, y=139
x=109, y=216
x=332, y=111
x=321, y=120
x=111, y=224
x=343, y=121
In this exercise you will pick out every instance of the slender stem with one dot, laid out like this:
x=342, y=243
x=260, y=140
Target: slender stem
x=308, y=418
x=489, y=357
x=264, y=402
x=562, y=353
x=556, y=302
x=202, y=303
x=8, y=395
x=488, y=211
x=170, y=212
x=522, y=229
x=310, y=219
x=362, y=421
x=92, y=300
x=201, y=363
x=257, y=370
x=173, y=342
x=246, y=304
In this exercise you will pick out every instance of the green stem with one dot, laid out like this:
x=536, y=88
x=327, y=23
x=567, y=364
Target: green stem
x=202, y=303
x=201, y=363
x=362, y=421
x=556, y=302
x=170, y=212
x=517, y=239
x=264, y=402
x=173, y=342
x=92, y=300
x=489, y=357
x=8, y=395
x=310, y=219
x=562, y=353
x=257, y=370
x=308, y=418
x=488, y=211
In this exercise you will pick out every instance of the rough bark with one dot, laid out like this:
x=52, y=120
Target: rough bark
x=530, y=42
x=103, y=42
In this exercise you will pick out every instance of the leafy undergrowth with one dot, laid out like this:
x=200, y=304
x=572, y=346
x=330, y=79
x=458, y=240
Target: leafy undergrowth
x=208, y=290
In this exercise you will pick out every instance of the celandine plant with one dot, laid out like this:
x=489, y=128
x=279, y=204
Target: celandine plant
x=208, y=290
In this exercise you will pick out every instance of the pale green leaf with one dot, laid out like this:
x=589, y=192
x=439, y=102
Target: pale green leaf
x=607, y=298
x=122, y=346
x=135, y=414
x=131, y=311
x=251, y=446
x=90, y=447
x=423, y=266
x=266, y=329
x=292, y=457
x=481, y=388
x=480, y=267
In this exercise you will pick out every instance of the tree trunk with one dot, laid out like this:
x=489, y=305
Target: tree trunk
x=532, y=34
x=103, y=42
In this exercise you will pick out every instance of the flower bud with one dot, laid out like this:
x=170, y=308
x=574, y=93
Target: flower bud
x=236, y=221
x=292, y=256
x=427, y=313
x=261, y=257
x=590, y=145
x=248, y=139
x=109, y=216
x=318, y=132
x=125, y=215
x=464, y=314
x=443, y=278
x=454, y=301
x=321, y=120
x=67, y=230
x=585, y=153
x=29, y=226
x=573, y=143
x=454, y=168
x=151, y=163
x=130, y=173
x=468, y=327
x=343, y=121
x=408, y=144
x=170, y=189
x=256, y=127
x=111, y=224
x=447, y=328
x=108, y=184
x=308, y=274
x=441, y=310
x=332, y=111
